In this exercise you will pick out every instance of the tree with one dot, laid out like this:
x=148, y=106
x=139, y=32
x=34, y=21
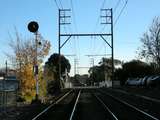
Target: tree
x=52, y=72
x=23, y=57
x=151, y=43
x=98, y=73
x=133, y=69
x=136, y=68
x=120, y=75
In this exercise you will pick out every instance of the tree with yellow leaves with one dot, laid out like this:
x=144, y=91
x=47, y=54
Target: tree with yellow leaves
x=23, y=56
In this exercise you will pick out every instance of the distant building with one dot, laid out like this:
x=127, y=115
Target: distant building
x=9, y=83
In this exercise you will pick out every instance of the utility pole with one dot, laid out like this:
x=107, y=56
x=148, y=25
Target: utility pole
x=112, y=44
x=75, y=68
x=6, y=69
x=61, y=21
x=33, y=27
x=93, y=75
x=108, y=16
x=59, y=45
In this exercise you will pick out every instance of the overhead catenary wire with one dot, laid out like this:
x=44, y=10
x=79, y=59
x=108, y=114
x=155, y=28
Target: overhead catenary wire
x=76, y=42
x=121, y=11
x=74, y=16
x=116, y=6
x=97, y=22
x=116, y=20
x=56, y=4
x=98, y=19
x=65, y=29
x=61, y=4
x=101, y=47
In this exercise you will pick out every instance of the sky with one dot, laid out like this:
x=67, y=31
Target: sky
x=135, y=19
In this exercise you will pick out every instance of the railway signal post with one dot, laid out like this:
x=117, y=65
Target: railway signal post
x=33, y=27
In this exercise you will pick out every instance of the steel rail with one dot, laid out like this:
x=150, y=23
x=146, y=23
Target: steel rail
x=105, y=106
x=74, y=108
x=131, y=106
x=138, y=95
x=45, y=110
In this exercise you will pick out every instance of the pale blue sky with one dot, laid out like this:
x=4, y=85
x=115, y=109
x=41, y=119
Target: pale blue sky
x=134, y=21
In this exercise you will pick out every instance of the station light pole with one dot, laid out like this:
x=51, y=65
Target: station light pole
x=33, y=27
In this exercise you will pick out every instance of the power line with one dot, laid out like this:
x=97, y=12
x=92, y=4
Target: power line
x=103, y=3
x=116, y=6
x=56, y=4
x=126, y=2
x=76, y=44
x=74, y=16
x=61, y=4
x=65, y=29
x=121, y=12
x=97, y=22
x=98, y=19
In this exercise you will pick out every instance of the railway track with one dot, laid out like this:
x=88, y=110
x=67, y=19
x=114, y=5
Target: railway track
x=60, y=109
x=112, y=115
x=92, y=104
x=138, y=95
x=122, y=109
x=77, y=105
x=147, y=105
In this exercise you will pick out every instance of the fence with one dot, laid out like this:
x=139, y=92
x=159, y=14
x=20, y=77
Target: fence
x=7, y=99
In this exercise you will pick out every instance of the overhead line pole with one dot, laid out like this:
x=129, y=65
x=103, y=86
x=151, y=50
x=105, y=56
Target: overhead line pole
x=108, y=15
x=59, y=46
x=6, y=69
x=109, y=20
x=112, y=44
x=61, y=21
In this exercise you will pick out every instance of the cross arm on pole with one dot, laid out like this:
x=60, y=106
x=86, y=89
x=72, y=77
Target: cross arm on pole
x=81, y=34
x=65, y=41
x=105, y=41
